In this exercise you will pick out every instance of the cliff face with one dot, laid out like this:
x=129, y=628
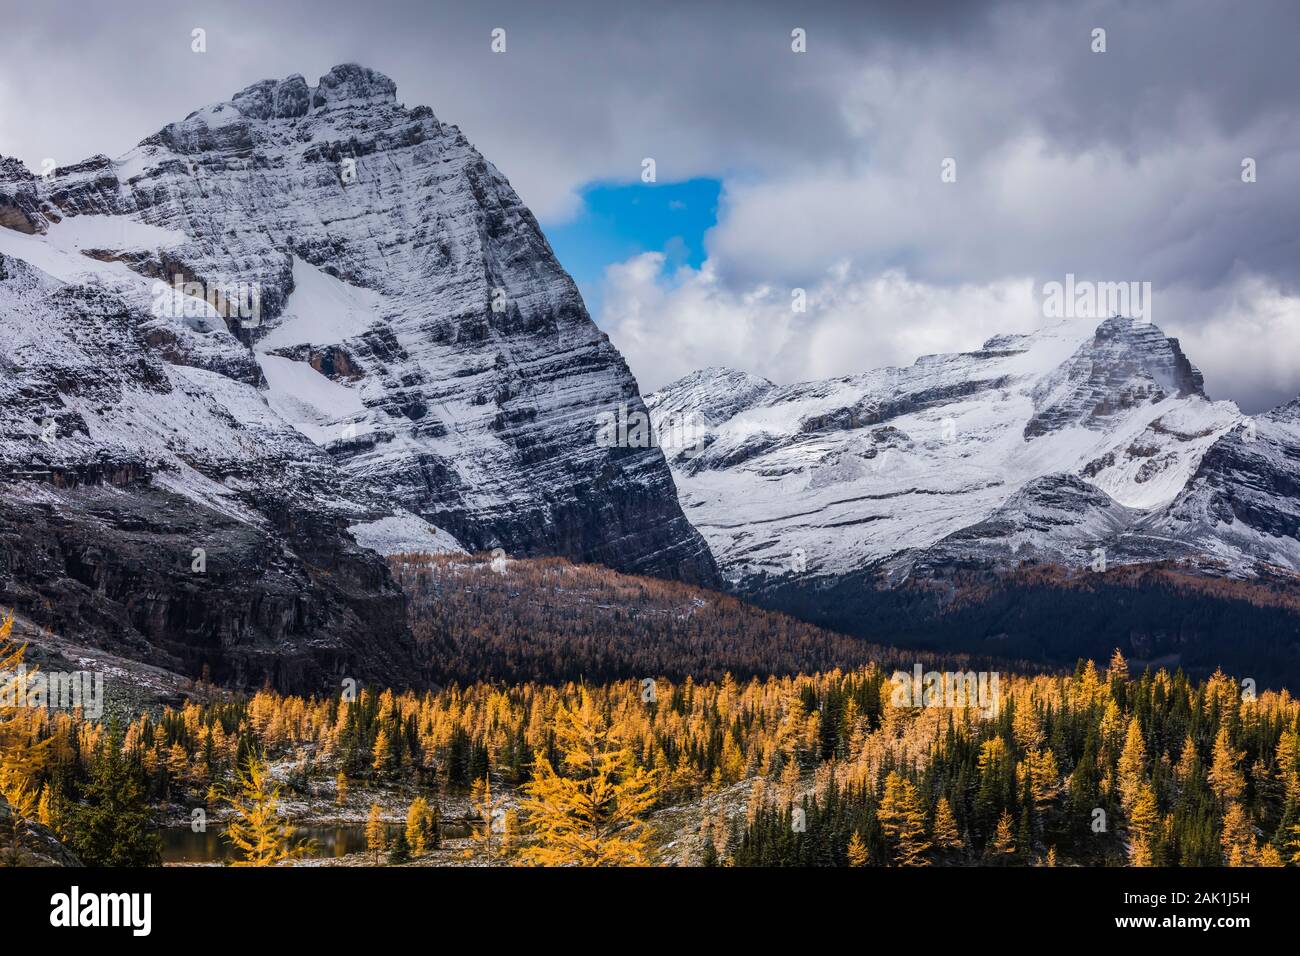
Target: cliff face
x=291, y=322
x=142, y=512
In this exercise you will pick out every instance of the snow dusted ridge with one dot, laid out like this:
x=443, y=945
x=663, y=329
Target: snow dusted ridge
x=377, y=239
x=1044, y=447
x=373, y=399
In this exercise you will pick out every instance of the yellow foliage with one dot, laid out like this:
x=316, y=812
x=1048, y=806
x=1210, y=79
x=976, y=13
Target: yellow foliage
x=590, y=813
x=257, y=830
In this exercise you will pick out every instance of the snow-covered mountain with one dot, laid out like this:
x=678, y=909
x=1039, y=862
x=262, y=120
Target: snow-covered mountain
x=305, y=325
x=1080, y=445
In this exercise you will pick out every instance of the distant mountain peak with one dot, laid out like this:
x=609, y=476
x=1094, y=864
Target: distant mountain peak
x=1060, y=441
x=1126, y=363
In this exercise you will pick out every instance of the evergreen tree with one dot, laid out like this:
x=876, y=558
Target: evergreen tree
x=112, y=826
x=400, y=851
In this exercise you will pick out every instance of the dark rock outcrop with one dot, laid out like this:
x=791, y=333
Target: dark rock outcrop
x=25, y=842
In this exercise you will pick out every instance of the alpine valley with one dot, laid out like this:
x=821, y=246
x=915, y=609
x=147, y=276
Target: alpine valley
x=313, y=461
x=304, y=330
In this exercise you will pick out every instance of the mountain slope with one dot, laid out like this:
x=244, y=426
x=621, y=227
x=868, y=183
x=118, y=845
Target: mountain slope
x=548, y=620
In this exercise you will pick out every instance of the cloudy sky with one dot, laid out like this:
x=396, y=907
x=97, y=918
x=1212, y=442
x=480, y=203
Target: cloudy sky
x=779, y=170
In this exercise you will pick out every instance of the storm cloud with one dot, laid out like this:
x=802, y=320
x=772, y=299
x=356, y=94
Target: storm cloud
x=1117, y=166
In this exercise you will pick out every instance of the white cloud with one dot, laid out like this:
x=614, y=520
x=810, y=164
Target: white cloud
x=1245, y=336
x=671, y=322
x=1052, y=178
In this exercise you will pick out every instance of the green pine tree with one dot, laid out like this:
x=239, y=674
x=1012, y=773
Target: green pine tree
x=113, y=826
x=400, y=851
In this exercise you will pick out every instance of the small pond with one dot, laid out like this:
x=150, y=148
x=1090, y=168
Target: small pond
x=183, y=845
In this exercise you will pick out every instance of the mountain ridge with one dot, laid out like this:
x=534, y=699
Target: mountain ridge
x=1115, y=403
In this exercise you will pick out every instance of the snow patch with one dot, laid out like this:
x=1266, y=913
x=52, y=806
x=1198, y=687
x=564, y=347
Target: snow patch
x=404, y=533
x=315, y=405
x=321, y=310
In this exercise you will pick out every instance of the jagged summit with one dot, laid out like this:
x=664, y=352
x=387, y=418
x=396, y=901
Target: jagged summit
x=346, y=85
x=1126, y=363
x=711, y=394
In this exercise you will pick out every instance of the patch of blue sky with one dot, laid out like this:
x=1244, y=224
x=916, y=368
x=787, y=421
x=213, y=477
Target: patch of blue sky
x=620, y=220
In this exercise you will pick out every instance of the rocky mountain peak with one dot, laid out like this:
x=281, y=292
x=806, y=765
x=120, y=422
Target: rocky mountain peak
x=1126, y=363
x=418, y=365
x=709, y=395
x=351, y=85
x=1060, y=437
x=346, y=85
x=274, y=99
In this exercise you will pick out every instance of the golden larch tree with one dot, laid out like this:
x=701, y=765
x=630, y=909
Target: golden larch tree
x=857, y=850
x=1226, y=779
x=903, y=821
x=590, y=813
x=1144, y=818
x=376, y=838
x=945, y=834
x=1238, y=838
x=1003, y=845
x=419, y=824
x=257, y=830
x=1132, y=765
x=490, y=811
x=22, y=752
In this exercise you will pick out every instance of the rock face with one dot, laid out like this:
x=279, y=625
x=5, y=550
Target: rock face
x=1243, y=502
x=304, y=310
x=25, y=842
x=1126, y=365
